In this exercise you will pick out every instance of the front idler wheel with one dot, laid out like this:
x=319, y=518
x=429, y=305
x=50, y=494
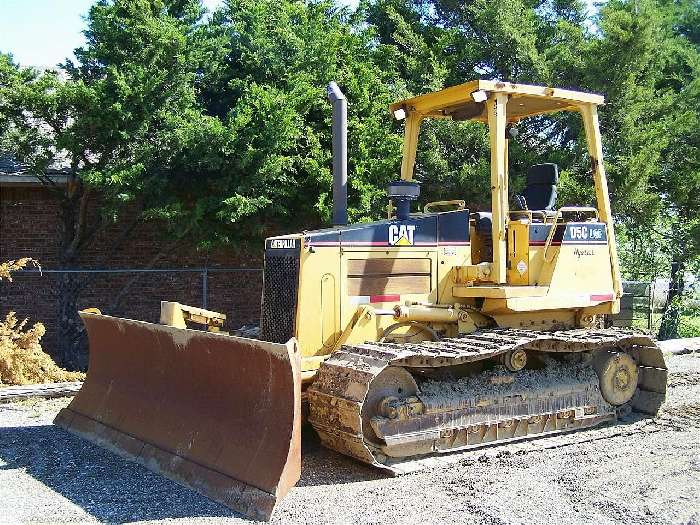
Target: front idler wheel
x=618, y=376
x=386, y=394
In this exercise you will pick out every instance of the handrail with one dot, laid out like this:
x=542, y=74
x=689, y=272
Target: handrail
x=581, y=209
x=550, y=235
x=460, y=204
x=529, y=213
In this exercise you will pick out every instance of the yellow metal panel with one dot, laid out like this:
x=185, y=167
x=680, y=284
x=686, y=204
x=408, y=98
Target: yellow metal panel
x=595, y=150
x=554, y=301
x=535, y=100
x=536, y=257
x=496, y=105
x=494, y=291
x=349, y=306
x=311, y=328
x=583, y=269
x=544, y=320
x=329, y=311
x=389, y=284
x=518, y=252
x=410, y=142
x=543, y=269
x=448, y=258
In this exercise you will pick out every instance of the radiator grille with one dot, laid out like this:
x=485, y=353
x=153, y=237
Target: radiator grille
x=279, y=303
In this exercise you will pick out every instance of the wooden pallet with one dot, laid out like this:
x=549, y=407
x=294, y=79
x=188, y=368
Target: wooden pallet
x=44, y=390
x=680, y=346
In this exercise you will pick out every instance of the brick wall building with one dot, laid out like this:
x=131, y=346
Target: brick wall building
x=30, y=227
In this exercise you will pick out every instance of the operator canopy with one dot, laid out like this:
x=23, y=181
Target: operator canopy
x=468, y=101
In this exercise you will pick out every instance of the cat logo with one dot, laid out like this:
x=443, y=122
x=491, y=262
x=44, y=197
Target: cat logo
x=401, y=235
x=284, y=244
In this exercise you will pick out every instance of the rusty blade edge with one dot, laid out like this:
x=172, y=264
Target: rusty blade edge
x=278, y=350
x=250, y=501
x=122, y=340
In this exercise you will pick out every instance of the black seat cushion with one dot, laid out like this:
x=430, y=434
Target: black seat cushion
x=483, y=222
x=543, y=174
x=541, y=190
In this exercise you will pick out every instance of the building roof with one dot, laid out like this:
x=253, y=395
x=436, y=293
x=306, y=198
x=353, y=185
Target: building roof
x=14, y=173
x=525, y=100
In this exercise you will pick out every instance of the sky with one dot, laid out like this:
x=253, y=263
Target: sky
x=42, y=33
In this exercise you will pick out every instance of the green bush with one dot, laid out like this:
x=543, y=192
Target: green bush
x=689, y=323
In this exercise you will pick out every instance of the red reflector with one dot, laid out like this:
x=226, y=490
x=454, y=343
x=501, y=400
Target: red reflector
x=602, y=297
x=384, y=298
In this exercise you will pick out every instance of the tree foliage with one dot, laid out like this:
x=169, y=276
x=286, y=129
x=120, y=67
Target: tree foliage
x=262, y=80
x=643, y=55
x=219, y=126
x=113, y=120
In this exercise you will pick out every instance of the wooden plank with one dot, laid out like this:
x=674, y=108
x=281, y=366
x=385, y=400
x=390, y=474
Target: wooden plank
x=680, y=346
x=387, y=285
x=363, y=267
x=17, y=393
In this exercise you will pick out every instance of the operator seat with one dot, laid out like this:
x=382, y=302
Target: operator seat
x=483, y=222
x=540, y=192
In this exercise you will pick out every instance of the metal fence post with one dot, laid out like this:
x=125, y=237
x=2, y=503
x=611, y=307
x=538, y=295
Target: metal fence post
x=650, y=312
x=205, y=287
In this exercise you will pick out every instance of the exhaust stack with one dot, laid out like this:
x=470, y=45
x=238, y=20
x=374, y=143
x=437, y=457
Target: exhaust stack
x=340, y=154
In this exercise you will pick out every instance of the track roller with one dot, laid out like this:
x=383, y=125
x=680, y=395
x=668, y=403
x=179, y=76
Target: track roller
x=515, y=360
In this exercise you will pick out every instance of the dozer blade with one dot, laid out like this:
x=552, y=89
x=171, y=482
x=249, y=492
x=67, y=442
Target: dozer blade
x=216, y=413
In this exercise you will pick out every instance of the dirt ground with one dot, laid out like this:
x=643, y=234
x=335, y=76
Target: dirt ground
x=641, y=471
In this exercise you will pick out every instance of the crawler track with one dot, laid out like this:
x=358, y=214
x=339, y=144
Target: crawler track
x=458, y=419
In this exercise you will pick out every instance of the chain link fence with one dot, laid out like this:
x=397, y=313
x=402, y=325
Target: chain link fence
x=205, y=274
x=36, y=294
x=642, y=305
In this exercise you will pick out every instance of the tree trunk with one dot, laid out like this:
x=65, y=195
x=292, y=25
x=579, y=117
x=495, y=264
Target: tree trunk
x=72, y=341
x=671, y=316
x=71, y=349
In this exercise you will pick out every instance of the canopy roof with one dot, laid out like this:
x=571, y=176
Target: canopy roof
x=456, y=102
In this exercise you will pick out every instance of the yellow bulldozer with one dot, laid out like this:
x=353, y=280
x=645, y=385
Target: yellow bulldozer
x=399, y=340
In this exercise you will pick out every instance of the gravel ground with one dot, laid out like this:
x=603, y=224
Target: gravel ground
x=642, y=471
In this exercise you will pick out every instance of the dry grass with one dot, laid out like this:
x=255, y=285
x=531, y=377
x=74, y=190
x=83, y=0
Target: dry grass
x=6, y=268
x=22, y=361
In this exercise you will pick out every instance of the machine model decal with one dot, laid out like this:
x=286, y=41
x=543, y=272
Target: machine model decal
x=587, y=233
x=401, y=234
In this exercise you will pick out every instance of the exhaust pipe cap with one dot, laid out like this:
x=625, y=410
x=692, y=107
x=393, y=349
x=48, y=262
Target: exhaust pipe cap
x=402, y=192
